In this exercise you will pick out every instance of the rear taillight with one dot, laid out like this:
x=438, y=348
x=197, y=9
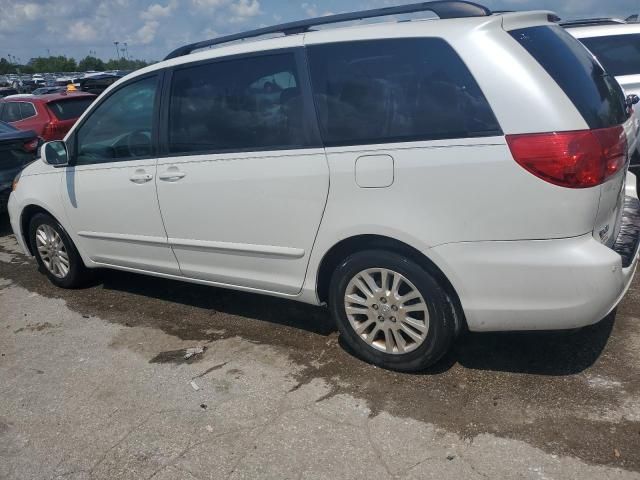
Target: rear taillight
x=53, y=131
x=580, y=159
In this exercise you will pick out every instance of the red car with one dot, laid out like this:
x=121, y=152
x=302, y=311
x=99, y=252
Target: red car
x=50, y=116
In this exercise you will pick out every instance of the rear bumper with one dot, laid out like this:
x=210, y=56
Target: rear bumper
x=542, y=284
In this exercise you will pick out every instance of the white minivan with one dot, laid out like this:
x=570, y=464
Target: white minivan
x=418, y=177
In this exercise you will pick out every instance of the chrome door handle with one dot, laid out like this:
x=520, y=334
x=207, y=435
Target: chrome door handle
x=172, y=175
x=141, y=178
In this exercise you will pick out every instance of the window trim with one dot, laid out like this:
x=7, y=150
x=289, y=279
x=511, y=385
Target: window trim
x=403, y=139
x=73, y=140
x=311, y=127
x=34, y=109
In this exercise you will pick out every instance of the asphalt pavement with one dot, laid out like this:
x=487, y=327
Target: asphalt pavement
x=94, y=384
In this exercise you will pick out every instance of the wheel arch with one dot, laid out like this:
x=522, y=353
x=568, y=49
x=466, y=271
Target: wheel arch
x=27, y=214
x=358, y=243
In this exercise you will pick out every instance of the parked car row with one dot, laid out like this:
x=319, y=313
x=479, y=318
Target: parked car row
x=91, y=82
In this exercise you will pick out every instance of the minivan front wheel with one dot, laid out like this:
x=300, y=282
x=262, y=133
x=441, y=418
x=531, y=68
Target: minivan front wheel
x=390, y=311
x=55, y=253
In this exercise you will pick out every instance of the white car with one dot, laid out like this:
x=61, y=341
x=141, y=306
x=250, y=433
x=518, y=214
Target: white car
x=418, y=177
x=616, y=44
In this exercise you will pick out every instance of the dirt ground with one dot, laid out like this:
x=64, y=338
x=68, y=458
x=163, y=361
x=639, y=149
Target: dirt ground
x=94, y=384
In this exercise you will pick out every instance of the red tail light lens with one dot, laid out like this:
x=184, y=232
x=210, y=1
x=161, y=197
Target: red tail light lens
x=52, y=131
x=580, y=159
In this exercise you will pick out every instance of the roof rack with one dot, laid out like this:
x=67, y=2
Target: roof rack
x=443, y=9
x=587, y=22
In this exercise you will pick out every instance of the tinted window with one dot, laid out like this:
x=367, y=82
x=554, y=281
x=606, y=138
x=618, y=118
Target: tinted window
x=27, y=110
x=243, y=104
x=69, y=109
x=120, y=127
x=619, y=54
x=11, y=112
x=396, y=90
x=596, y=94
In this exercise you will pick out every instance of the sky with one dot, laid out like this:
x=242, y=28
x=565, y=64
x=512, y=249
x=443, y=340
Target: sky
x=152, y=28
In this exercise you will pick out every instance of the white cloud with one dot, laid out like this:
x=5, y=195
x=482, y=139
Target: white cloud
x=156, y=11
x=147, y=33
x=242, y=10
x=210, y=5
x=81, y=31
x=15, y=15
x=310, y=10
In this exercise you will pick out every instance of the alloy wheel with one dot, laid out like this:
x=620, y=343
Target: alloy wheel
x=387, y=311
x=52, y=251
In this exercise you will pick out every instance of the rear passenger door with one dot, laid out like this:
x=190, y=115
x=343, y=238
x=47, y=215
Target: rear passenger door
x=243, y=180
x=398, y=118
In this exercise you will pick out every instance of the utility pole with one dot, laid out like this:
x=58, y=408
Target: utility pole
x=117, y=51
x=126, y=49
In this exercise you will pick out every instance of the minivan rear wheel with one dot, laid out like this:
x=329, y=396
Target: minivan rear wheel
x=55, y=253
x=391, y=311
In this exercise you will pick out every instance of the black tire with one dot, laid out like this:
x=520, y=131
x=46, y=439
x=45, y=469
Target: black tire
x=442, y=325
x=78, y=274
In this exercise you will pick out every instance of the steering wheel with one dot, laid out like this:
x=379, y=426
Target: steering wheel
x=139, y=143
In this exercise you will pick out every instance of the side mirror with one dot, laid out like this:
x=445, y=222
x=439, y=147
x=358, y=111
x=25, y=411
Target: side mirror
x=55, y=154
x=632, y=100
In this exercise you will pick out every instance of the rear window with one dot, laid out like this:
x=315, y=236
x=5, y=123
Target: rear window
x=619, y=54
x=383, y=91
x=69, y=109
x=594, y=92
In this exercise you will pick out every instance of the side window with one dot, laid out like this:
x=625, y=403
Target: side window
x=119, y=128
x=383, y=91
x=242, y=104
x=619, y=54
x=11, y=112
x=27, y=110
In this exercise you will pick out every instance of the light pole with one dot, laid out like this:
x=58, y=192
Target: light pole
x=117, y=51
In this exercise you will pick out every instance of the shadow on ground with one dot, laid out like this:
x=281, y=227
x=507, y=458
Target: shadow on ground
x=541, y=353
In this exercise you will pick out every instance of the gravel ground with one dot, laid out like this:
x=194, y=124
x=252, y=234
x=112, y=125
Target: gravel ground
x=94, y=384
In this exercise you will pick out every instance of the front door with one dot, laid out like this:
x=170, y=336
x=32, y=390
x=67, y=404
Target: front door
x=110, y=193
x=244, y=185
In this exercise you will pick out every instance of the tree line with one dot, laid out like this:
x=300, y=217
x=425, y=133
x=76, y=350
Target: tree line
x=62, y=63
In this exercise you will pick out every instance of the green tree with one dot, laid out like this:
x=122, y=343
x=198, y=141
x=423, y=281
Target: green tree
x=58, y=63
x=5, y=66
x=90, y=63
x=124, y=64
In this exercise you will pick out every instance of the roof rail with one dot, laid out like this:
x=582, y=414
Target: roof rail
x=443, y=9
x=587, y=22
